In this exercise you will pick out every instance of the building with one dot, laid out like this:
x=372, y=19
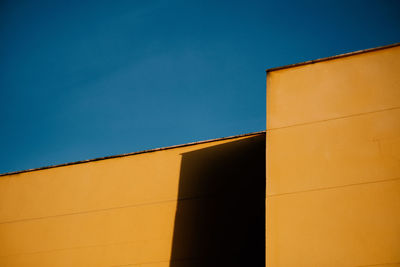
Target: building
x=189, y=205
x=333, y=161
x=325, y=193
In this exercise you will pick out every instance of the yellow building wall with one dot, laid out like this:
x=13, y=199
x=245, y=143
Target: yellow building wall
x=333, y=162
x=139, y=210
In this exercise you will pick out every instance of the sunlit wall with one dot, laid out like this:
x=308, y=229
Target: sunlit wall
x=192, y=205
x=333, y=162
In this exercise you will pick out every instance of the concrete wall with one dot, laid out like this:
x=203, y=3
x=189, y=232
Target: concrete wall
x=333, y=162
x=186, y=206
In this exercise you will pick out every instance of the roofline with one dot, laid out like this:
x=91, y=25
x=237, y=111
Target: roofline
x=133, y=153
x=332, y=57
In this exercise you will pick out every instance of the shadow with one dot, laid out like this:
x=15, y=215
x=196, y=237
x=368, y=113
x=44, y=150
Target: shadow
x=220, y=218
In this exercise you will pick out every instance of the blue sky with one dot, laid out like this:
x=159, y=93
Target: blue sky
x=86, y=79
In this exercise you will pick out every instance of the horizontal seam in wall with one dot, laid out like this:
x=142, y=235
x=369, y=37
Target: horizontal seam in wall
x=332, y=187
x=94, y=246
x=107, y=209
x=70, y=248
x=379, y=264
x=331, y=119
x=152, y=262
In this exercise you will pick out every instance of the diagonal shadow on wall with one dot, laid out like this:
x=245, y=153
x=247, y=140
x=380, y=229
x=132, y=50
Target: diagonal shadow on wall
x=220, y=218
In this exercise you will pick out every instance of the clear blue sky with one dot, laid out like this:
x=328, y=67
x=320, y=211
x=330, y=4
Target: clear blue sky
x=85, y=79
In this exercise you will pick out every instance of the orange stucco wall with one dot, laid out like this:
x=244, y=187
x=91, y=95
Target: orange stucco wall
x=333, y=162
x=150, y=209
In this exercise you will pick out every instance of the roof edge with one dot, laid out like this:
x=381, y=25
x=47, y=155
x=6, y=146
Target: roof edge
x=332, y=57
x=132, y=153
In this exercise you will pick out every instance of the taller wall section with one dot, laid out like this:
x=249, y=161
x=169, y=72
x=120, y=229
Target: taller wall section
x=333, y=161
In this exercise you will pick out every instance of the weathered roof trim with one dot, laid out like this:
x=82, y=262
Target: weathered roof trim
x=332, y=57
x=134, y=153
